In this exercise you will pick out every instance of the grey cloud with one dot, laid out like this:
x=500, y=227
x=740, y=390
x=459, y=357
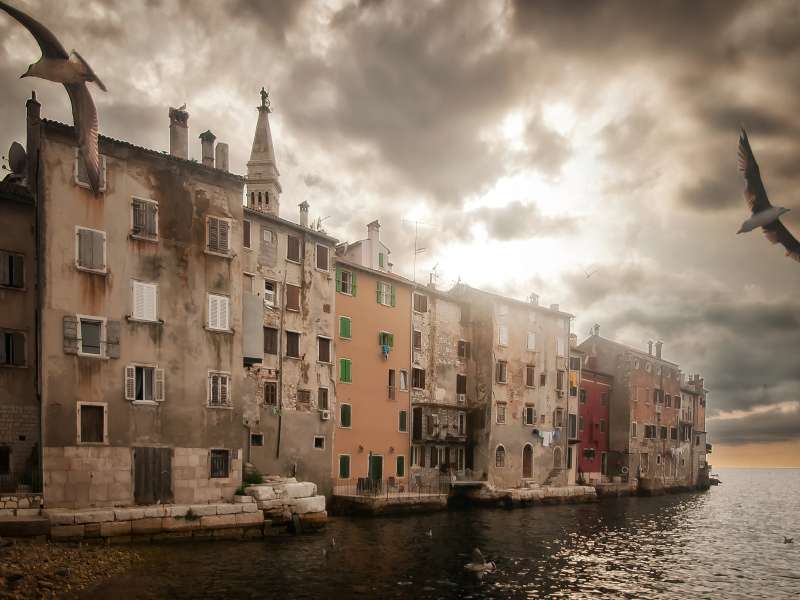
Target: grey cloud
x=778, y=424
x=274, y=17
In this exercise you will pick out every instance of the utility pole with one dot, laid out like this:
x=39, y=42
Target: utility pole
x=417, y=250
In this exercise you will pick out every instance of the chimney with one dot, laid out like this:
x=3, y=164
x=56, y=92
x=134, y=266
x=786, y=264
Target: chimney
x=304, y=214
x=374, y=232
x=650, y=347
x=659, y=343
x=573, y=340
x=221, y=156
x=554, y=307
x=179, y=133
x=207, y=144
x=34, y=109
x=533, y=299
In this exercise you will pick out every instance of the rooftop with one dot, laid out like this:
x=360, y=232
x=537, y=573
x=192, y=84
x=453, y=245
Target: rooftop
x=515, y=301
x=15, y=191
x=290, y=224
x=383, y=274
x=628, y=348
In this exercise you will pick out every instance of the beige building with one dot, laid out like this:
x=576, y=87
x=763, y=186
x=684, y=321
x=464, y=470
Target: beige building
x=141, y=349
x=289, y=346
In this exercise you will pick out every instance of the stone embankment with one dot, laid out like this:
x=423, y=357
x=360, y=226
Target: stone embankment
x=20, y=505
x=571, y=494
x=281, y=499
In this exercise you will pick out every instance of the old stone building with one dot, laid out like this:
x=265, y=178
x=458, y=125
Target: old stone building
x=441, y=341
x=519, y=369
x=289, y=346
x=19, y=406
x=141, y=347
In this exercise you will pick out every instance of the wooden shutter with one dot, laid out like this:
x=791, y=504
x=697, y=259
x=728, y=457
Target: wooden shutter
x=503, y=337
x=344, y=467
x=130, y=382
x=70, y=334
x=353, y=283
x=16, y=271
x=338, y=280
x=403, y=421
x=392, y=295
x=223, y=388
x=150, y=219
x=213, y=234
x=18, y=346
x=5, y=269
x=529, y=376
x=380, y=292
x=322, y=257
x=293, y=248
x=214, y=385
x=2, y=347
x=381, y=259
x=85, y=248
x=98, y=243
x=138, y=300
x=560, y=347
x=223, y=313
x=224, y=235
x=292, y=297
x=92, y=418
x=531, y=341
x=461, y=384
x=150, y=312
x=246, y=234
x=112, y=339
x=158, y=385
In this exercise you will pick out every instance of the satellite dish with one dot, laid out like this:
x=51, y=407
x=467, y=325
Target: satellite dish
x=17, y=158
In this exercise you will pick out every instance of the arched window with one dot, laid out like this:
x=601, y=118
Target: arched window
x=259, y=199
x=266, y=199
x=557, y=458
x=527, y=462
x=500, y=457
x=252, y=198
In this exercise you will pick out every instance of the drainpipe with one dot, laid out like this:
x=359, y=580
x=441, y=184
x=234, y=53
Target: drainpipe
x=409, y=386
x=280, y=361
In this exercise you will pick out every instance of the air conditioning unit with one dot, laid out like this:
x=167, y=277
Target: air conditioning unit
x=461, y=398
x=325, y=415
x=658, y=408
x=561, y=393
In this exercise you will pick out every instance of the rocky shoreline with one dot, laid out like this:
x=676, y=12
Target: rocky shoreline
x=44, y=571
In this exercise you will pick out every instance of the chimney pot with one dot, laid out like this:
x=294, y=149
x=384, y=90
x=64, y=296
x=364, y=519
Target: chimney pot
x=304, y=206
x=221, y=156
x=658, y=348
x=650, y=347
x=554, y=307
x=207, y=145
x=596, y=329
x=534, y=299
x=179, y=133
x=34, y=107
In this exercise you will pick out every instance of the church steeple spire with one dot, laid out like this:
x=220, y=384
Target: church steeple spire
x=263, y=187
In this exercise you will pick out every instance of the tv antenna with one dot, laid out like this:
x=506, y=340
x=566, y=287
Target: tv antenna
x=434, y=277
x=417, y=250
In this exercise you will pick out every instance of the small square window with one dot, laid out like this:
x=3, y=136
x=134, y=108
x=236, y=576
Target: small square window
x=319, y=442
x=256, y=439
x=219, y=464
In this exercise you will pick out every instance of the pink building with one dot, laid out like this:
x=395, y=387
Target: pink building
x=593, y=423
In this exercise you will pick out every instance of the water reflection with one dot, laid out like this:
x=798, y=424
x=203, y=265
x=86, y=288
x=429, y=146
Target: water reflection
x=726, y=543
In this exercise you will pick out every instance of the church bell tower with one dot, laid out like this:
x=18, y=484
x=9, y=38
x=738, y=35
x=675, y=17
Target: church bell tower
x=263, y=187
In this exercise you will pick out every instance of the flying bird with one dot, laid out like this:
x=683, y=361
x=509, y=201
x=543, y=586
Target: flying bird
x=74, y=73
x=590, y=274
x=478, y=565
x=788, y=540
x=429, y=533
x=764, y=214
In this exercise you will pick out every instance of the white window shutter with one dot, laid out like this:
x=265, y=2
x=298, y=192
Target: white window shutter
x=158, y=385
x=130, y=382
x=531, y=340
x=223, y=389
x=213, y=311
x=150, y=312
x=138, y=300
x=503, y=336
x=560, y=347
x=223, y=313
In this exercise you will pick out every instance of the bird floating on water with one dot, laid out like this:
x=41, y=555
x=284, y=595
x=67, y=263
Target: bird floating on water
x=429, y=533
x=764, y=214
x=74, y=73
x=333, y=542
x=788, y=540
x=479, y=566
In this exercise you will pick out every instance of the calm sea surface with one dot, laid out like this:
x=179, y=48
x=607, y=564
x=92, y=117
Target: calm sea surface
x=724, y=543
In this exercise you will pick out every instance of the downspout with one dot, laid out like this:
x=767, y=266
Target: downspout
x=409, y=387
x=280, y=362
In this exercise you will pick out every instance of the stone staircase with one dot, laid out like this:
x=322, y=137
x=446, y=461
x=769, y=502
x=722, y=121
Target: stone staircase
x=554, y=473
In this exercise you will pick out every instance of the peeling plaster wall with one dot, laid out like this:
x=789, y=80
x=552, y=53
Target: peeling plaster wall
x=184, y=272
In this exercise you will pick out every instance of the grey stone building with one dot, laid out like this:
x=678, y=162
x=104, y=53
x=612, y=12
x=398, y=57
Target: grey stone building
x=141, y=347
x=519, y=372
x=441, y=349
x=289, y=346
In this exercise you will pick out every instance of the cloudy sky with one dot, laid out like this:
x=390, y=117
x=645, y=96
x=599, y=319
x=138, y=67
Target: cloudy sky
x=538, y=140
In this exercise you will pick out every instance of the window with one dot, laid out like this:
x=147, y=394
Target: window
x=560, y=347
x=246, y=234
x=636, y=363
x=589, y=453
x=418, y=378
x=602, y=425
x=344, y=370
x=667, y=400
x=12, y=348
x=322, y=257
x=417, y=339
x=647, y=395
x=292, y=297
x=558, y=417
x=293, y=248
x=500, y=457
x=420, y=303
x=602, y=398
x=346, y=282
x=501, y=413
x=5, y=460
x=344, y=466
x=531, y=316
x=322, y=398
x=269, y=293
x=530, y=375
x=673, y=433
x=648, y=367
x=503, y=310
x=256, y=439
x=531, y=341
x=145, y=301
x=649, y=431
x=434, y=457
x=345, y=416
x=11, y=270
x=573, y=425
x=501, y=372
x=218, y=312
x=677, y=401
x=663, y=433
x=560, y=324
x=574, y=364
x=219, y=464
x=462, y=423
x=292, y=344
x=559, y=380
x=271, y=393
x=463, y=349
x=503, y=336
x=144, y=383
x=386, y=294
x=582, y=396
x=461, y=388
x=319, y=442
x=415, y=456
x=91, y=336
x=635, y=393
x=248, y=283
x=391, y=384
x=580, y=424
x=92, y=426
x=82, y=179
x=218, y=234
x=528, y=415
x=324, y=350
x=381, y=260
x=90, y=249
x=344, y=328
x=218, y=389
x=542, y=379
x=464, y=315
x=270, y=340
x=386, y=339
x=658, y=370
x=403, y=380
x=401, y=466
x=633, y=429
x=403, y=422
x=303, y=400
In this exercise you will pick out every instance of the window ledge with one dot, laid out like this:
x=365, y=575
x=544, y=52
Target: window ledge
x=13, y=287
x=93, y=356
x=102, y=272
x=223, y=331
x=145, y=403
x=92, y=443
x=8, y=366
x=294, y=262
x=143, y=238
x=292, y=357
x=220, y=254
x=219, y=407
x=324, y=362
x=131, y=319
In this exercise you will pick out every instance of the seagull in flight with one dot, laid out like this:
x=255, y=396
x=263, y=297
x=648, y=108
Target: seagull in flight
x=590, y=274
x=478, y=565
x=764, y=214
x=74, y=73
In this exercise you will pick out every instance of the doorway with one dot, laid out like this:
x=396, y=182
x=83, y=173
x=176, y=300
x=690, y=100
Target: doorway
x=152, y=475
x=377, y=466
x=527, y=462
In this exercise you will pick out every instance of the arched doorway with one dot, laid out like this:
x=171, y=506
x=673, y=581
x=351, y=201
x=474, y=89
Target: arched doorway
x=557, y=458
x=527, y=462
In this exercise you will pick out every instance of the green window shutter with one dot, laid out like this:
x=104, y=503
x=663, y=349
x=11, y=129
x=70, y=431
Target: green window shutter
x=338, y=280
x=401, y=466
x=381, y=260
x=392, y=295
x=349, y=374
x=353, y=284
x=346, y=419
x=344, y=467
x=380, y=287
x=347, y=328
x=403, y=421
x=341, y=369
x=391, y=340
x=344, y=370
x=380, y=338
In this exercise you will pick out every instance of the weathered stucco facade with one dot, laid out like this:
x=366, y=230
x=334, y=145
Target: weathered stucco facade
x=141, y=348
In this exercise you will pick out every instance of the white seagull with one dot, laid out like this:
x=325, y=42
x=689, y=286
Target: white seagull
x=73, y=72
x=764, y=214
x=478, y=565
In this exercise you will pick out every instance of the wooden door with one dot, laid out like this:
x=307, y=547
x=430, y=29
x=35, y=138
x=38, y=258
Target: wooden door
x=557, y=457
x=152, y=475
x=377, y=467
x=527, y=462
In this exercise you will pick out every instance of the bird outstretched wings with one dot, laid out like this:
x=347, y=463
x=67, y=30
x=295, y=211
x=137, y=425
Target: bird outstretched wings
x=477, y=557
x=777, y=233
x=48, y=42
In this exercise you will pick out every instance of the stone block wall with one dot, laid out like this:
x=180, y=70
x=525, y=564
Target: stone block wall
x=18, y=422
x=20, y=504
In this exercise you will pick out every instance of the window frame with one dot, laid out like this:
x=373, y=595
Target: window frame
x=319, y=437
x=415, y=378
x=319, y=350
x=210, y=392
x=229, y=225
x=502, y=331
x=10, y=255
x=247, y=234
x=137, y=235
x=400, y=414
x=146, y=284
x=227, y=298
x=501, y=368
x=12, y=333
x=78, y=265
x=417, y=303
x=327, y=250
x=271, y=303
x=530, y=370
x=560, y=348
x=104, y=405
x=286, y=350
x=500, y=456
x=349, y=363
x=290, y=237
x=349, y=327
x=155, y=400
x=463, y=349
x=349, y=464
x=227, y=452
x=530, y=341
x=502, y=310
x=341, y=415
x=402, y=381
x=323, y=392
x=501, y=405
x=291, y=286
x=274, y=332
x=86, y=185
x=252, y=441
x=400, y=458
x=415, y=455
x=274, y=386
x=103, y=336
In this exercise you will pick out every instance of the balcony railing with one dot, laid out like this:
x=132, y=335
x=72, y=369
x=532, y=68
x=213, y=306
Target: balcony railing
x=26, y=482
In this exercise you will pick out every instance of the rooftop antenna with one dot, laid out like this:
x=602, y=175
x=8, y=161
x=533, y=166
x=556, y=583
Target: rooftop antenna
x=417, y=250
x=320, y=220
x=434, y=277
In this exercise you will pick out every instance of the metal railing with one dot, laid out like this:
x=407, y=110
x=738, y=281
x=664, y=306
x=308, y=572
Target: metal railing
x=392, y=487
x=19, y=483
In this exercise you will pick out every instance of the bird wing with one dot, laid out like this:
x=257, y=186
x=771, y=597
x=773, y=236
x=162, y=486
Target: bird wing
x=777, y=233
x=79, y=61
x=754, y=192
x=477, y=557
x=48, y=42
x=84, y=115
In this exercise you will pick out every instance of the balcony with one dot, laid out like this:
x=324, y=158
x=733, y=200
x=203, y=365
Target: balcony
x=392, y=393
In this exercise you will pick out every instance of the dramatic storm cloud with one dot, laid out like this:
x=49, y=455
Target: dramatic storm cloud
x=531, y=139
